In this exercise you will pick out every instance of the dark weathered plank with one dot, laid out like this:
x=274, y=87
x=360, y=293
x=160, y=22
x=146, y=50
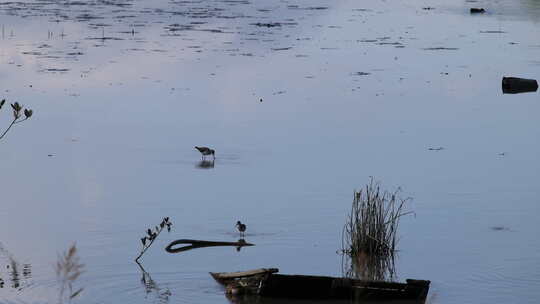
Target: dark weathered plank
x=242, y=274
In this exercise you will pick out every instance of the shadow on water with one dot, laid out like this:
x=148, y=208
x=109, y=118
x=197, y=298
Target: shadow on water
x=250, y=299
x=205, y=164
x=253, y=299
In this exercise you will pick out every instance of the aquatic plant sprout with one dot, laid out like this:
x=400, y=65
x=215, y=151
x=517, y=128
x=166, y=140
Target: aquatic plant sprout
x=18, y=112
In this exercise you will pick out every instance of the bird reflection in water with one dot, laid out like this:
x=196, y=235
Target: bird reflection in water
x=241, y=243
x=151, y=287
x=205, y=164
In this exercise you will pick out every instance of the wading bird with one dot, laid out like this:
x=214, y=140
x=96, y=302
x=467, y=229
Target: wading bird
x=206, y=151
x=241, y=227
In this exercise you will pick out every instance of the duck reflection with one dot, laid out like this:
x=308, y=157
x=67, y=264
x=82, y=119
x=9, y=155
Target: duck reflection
x=151, y=287
x=205, y=164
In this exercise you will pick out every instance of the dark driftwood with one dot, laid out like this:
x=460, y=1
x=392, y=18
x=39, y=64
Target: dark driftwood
x=476, y=10
x=266, y=283
x=193, y=244
x=224, y=277
x=514, y=85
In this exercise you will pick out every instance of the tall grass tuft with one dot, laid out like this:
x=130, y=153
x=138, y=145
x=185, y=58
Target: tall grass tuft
x=68, y=269
x=370, y=232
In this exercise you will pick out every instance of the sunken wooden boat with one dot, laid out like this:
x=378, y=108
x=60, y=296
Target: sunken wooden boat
x=266, y=282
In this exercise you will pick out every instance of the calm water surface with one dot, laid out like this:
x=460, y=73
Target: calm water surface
x=123, y=90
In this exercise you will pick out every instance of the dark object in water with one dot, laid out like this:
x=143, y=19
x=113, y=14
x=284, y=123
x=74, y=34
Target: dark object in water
x=266, y=283
x=476, y=10
x=270, y=24
x=514, y=85
x=201, y=244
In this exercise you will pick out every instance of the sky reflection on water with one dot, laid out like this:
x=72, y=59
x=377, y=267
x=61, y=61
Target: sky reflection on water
x=349, y=91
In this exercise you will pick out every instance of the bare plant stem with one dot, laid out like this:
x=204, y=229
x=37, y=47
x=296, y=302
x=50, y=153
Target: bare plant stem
x=10, y=125
x=145, y=247
x=15, y=121
x=152, y=236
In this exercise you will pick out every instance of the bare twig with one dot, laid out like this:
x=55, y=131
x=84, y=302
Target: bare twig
x=17, y=110
x=152, y=235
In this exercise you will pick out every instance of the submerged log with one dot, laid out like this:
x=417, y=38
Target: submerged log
x=193, y=244
x=514, y=85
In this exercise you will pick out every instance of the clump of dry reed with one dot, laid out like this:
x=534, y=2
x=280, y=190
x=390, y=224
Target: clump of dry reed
x=372, y=225
x=369, y=267
x=68, y=269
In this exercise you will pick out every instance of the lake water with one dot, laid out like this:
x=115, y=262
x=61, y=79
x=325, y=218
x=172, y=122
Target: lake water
x=123, y=90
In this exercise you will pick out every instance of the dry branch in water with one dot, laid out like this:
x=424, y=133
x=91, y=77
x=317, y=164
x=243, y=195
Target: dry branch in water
x=151, y=236
x=68, y=269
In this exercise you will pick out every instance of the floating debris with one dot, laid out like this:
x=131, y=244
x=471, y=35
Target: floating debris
x=476, y=10
x=274, y=24
x=440, y=49
x=492, y=32
x=55, y=70
x=515, y=85
x=282, y=49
